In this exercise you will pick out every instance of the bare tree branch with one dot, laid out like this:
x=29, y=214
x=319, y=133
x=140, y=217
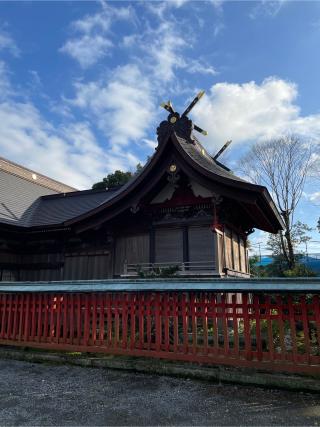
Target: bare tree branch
x=282, y=165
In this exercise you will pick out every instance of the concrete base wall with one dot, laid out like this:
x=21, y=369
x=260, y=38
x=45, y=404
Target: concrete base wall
x=170, y=368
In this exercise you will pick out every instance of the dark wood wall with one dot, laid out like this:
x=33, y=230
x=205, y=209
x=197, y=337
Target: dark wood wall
x=56, y=266
x=162, y=244
x=77, y=258
x=201, y=241
x=131, y=249
x=169, y=245
x=54, y=259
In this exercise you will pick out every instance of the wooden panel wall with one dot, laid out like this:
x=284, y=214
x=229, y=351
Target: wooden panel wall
x=91, y=265
x=228, y=248
x=169, y=245
x=133, y=249
x=7, y=258
x=201, y=244
x=57, y=266
x=243, y=257
x=235, y=252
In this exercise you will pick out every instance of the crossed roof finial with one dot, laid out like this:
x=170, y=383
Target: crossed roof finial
x=177, y=122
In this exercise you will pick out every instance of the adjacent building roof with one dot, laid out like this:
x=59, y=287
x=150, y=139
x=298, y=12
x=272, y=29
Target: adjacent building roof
x=20, y=187
x=29, y=175
x=56, y=209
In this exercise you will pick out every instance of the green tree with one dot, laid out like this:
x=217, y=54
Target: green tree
x=255, y=269
x=116, y=179
x=112, y=180
x=280, y=266
x=299, y=235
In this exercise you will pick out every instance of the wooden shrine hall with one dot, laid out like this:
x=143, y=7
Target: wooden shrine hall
x=184, y=212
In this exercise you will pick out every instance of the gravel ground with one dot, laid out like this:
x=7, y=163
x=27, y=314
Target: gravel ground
x=44, y=395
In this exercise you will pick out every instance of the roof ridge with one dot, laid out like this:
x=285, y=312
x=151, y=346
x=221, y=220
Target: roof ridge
x=80, y=193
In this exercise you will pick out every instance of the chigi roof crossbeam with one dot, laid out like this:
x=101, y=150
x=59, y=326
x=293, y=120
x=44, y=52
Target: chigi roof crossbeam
x=174, y=116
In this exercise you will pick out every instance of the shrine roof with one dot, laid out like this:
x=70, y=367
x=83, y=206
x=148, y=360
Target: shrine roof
x=62, y=210
x=200, y=155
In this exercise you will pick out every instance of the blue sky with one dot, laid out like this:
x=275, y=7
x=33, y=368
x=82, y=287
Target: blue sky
x=81, y=82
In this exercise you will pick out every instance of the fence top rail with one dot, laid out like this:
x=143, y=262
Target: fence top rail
x=168, y=284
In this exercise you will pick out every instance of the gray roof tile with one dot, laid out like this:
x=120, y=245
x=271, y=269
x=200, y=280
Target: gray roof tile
x=17, y=196
x=197, y=152
x=60, y=208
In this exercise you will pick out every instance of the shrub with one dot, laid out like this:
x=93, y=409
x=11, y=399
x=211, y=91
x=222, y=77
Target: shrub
x=300, y=270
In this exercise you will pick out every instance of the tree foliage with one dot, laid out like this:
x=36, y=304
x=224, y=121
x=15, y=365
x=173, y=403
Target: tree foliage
x=282, y=166
x=299, y=235
x=279, y=265
x=116, y=179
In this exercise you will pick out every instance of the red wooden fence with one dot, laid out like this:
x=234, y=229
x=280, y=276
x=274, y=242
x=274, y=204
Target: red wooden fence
x=267, y=331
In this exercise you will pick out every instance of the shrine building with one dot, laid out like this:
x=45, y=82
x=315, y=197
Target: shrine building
x=185, y=212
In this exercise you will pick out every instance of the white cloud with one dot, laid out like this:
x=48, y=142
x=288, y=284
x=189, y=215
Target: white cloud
x=218, y=5
x=123, y=106
x=165, y=50
x=91, y=44
x=164, y=47
x=7, y=43
x=314, y=197
x=251, y=111
x=100, y=21
x=161, y=8
x=27, y=138
x=269, y=8
x=5, y=87
x=218, y=28
x=123, y=103
x=150, y=143
x=69, y=152
x=87, y=50
x=197, y=66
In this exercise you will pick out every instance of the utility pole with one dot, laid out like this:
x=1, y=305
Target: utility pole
x=259, y=244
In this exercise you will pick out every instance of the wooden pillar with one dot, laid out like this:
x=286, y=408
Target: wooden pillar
x=232, y=251
x=218, y=244
x=185, y=244
x=246, y=256
x=239, y=252
x=152, y=245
